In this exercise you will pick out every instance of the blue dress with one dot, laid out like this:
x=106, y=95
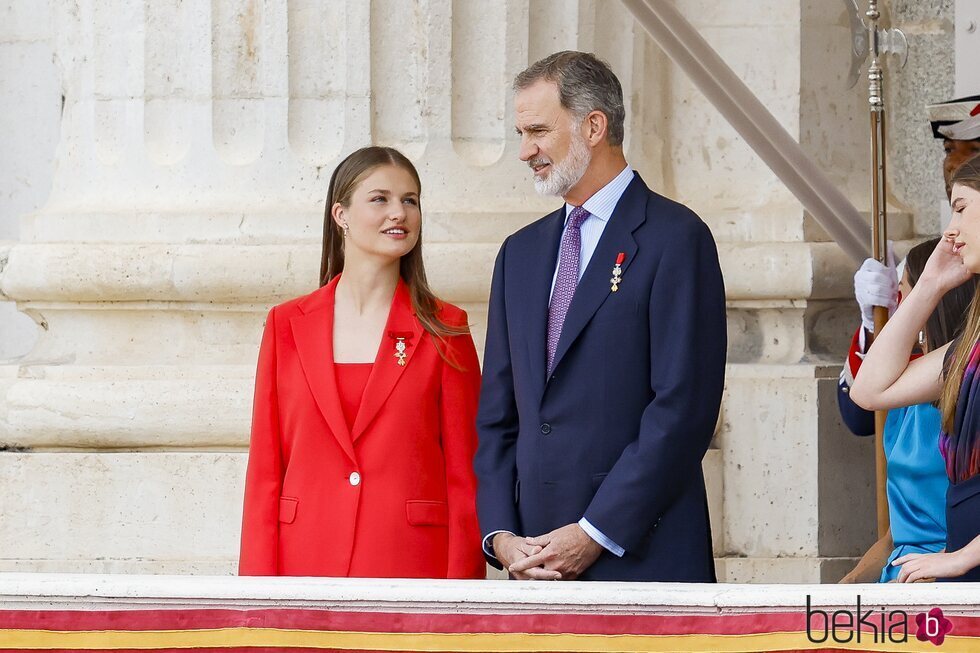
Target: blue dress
x=917, y=483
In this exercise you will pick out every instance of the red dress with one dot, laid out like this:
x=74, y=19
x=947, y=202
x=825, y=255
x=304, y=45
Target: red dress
x=352, y=378
x=388, y=491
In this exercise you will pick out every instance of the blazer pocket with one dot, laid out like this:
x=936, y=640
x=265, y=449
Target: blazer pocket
x=427, y=513
x=287, y=509
x=597, y=480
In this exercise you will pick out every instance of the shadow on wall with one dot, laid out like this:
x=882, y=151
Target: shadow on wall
x=18, y=333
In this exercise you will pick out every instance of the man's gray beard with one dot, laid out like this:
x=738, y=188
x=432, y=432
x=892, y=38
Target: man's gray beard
x=568, y=172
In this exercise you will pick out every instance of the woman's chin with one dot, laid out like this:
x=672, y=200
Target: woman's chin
x=395, y=249
x=970, y=262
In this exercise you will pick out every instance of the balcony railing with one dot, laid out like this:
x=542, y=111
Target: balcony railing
x=98, y=612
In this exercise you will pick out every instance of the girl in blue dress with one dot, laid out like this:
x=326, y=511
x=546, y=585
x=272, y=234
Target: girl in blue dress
x=949, y=374
x=916, y=486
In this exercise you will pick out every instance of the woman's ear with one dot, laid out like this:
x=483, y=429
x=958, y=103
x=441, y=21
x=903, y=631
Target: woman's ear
x=339, y=215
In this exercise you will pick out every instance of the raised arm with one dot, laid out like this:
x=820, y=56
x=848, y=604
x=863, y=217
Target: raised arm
x=887, y=379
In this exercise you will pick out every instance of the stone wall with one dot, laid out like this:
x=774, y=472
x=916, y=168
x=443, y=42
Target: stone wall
x=30, y=97
x=915, y=157
x=195, y=148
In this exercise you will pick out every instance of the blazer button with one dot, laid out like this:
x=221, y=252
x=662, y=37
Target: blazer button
x=546, y=428
x=355, y=478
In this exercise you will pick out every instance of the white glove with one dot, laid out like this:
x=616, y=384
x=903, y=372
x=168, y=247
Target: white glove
x=876, y=285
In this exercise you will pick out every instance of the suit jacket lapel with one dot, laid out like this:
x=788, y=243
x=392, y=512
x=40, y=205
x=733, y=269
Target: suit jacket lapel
x=540, y=272
x=386, y=371
x=313, y=332
x=595, y=285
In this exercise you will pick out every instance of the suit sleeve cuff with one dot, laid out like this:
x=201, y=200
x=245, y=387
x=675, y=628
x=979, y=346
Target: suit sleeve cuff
x=488, y=543
x=600, y=538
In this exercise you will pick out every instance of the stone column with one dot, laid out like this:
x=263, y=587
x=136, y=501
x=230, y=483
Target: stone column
x=188, y=192
x=30, y=97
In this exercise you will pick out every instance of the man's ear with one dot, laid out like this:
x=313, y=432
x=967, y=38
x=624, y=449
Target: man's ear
x=596, y=127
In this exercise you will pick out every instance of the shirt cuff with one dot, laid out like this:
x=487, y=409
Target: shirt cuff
x=602, y=540
x=488, y=543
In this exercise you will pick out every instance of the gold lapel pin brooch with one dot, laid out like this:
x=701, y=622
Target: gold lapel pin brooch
x=402, y=340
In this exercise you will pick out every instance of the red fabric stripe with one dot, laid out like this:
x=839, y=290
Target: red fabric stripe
x=313, y=619
x=316, y=619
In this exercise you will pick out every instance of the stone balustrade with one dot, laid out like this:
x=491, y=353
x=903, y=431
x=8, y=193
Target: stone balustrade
x=98, y=612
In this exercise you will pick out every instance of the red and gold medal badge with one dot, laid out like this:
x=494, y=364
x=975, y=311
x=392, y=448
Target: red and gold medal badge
x=402, y=341
x=617, y=277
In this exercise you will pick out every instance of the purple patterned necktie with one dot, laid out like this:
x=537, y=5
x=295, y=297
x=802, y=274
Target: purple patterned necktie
x=566, y=280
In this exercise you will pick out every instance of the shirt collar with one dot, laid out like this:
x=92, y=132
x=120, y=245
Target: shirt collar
x=602, y=203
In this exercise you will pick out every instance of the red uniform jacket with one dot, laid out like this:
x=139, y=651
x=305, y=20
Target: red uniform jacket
x=394, y=497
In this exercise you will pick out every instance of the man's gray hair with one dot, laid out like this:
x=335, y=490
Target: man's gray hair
x=585, y=84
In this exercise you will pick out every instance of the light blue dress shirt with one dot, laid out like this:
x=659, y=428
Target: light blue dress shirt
x=600, y=207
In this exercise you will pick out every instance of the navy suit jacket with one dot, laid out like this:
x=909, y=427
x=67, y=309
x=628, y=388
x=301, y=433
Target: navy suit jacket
x=618, y=431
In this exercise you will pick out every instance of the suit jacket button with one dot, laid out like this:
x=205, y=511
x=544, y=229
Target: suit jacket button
x=355, y=478
x=546, y=428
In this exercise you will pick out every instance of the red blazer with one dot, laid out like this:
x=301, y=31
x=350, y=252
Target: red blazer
x=394, y=496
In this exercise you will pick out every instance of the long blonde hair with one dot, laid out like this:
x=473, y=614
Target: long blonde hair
x=968, y=175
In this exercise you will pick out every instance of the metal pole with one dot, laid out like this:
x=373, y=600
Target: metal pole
x=879, y=236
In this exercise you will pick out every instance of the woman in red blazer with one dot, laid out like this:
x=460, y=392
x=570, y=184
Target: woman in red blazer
x=363, y=426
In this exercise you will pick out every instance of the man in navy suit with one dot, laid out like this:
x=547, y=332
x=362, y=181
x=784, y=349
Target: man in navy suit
x=605, y=356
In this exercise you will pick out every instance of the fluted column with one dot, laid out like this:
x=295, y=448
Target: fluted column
x=197, y=143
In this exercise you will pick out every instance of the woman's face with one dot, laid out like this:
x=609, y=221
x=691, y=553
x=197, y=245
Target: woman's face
x=965, y=203
x=384, y=219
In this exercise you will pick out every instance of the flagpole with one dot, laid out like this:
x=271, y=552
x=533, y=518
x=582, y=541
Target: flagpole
x=879, y=235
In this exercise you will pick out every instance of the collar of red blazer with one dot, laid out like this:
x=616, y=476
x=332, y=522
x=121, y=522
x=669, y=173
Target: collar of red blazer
x=313, y=333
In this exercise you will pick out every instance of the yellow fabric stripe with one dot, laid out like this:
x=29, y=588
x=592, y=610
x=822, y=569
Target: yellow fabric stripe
x=445, y=642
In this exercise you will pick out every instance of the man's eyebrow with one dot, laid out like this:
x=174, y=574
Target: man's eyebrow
x=535, y=127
